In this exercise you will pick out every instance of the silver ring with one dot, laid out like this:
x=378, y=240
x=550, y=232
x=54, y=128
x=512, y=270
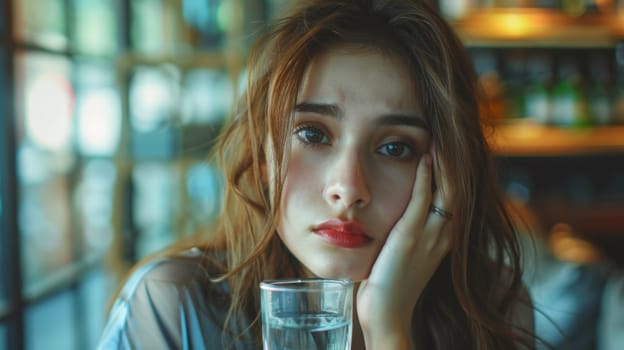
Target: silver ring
x=441, y=212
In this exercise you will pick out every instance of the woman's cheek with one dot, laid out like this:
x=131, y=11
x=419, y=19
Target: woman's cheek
x=394, y=191
x=301, y=178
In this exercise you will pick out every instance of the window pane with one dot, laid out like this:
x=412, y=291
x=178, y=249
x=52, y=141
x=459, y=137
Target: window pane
x=41, y=22
x=96, y=290
x=93, y=203
x=206, y=100
x=73, y=318
x=45, y=101
x=155, y=28
x=51, y=324
x=153, y=94
x=95, y=27
x=207, y=96
x=44, y=214
x=209, y=19
x=156, y=205
x=153, y=102
x=98, y=109
x=44, y=106
x=203, y=196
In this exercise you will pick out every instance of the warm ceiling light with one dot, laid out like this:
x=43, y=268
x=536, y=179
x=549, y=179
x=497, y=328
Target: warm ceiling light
x=514, y=25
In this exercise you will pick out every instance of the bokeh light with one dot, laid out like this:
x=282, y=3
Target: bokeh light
x=153, y=96
x=98, y=122
x=49, y=109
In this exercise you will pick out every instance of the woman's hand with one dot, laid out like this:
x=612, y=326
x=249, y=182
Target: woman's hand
x=411, y=254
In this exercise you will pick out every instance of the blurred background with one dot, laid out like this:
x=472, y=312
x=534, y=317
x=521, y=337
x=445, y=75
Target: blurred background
x=109, y=107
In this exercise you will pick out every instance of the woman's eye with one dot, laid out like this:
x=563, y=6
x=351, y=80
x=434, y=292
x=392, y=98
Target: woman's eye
x=398, y=150
x=311, y=135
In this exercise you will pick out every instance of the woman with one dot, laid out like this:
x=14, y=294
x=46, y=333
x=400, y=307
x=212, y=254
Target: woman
x=357, y=152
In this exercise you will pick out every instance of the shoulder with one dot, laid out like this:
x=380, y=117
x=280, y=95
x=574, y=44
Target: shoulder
x=166, y=276
x=180, y=269
x=168, y=301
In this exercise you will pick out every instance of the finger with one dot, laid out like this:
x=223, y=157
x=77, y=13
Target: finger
x=422, y=190
x=417, y=210
x=442, y=203
x=408, y=232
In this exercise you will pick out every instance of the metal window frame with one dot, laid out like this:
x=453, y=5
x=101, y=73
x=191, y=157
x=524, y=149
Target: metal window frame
x=10, y=264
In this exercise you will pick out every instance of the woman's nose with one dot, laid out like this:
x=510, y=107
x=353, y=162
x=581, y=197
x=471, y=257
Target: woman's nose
x=346, y=184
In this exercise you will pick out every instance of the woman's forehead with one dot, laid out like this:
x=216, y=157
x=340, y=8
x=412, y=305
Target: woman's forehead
x=348, y=70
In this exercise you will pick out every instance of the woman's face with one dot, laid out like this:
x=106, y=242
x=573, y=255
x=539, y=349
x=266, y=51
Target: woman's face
x=357, y=138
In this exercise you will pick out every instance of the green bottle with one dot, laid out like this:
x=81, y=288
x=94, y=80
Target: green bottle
x=537, y=97
x=569, y=99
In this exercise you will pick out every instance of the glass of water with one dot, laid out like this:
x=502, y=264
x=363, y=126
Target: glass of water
x=313, y=313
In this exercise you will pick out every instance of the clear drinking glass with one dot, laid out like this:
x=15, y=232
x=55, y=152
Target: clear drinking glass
x=312, y=313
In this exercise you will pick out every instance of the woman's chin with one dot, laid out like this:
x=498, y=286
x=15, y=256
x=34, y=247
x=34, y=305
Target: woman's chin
x=339, y=273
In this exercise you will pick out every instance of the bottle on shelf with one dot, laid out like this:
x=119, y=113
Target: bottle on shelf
x=618, y=103
x=491, y=102
x=514, y=77
x=537, y=96
x=574, y=8
x=569, y=100
x=599, y=90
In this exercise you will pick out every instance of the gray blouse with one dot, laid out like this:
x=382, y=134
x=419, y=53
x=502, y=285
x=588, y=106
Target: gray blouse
x=170, y=304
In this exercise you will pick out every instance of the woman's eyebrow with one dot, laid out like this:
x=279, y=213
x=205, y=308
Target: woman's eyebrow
x=332, y=110
x=414, y=120
x=327, y=109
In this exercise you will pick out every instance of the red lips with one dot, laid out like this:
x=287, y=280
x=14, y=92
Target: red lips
x=347, y=234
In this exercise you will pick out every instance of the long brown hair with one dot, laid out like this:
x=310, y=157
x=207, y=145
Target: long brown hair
x=467, y=302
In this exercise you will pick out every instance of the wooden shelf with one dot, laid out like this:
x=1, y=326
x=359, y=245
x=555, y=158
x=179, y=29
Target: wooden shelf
x=539, y=28
x=527, y=139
